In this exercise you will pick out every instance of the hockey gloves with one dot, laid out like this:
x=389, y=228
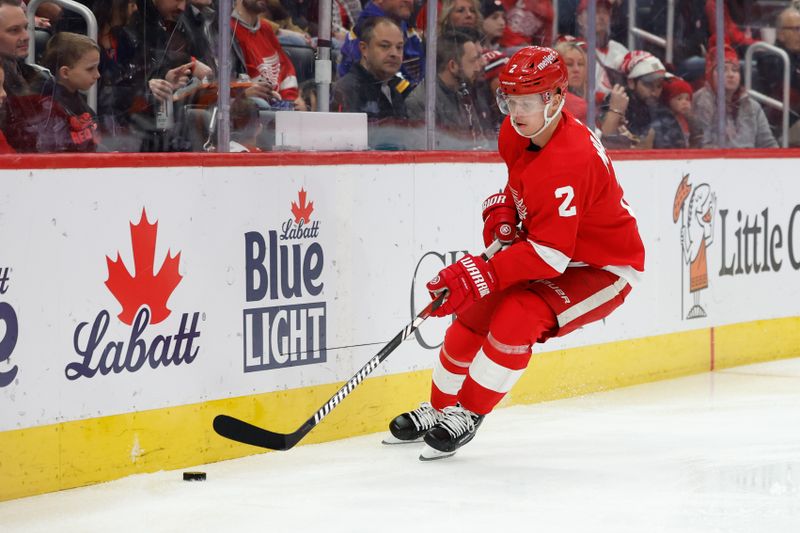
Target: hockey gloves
x=499, y=219
x=466, y=281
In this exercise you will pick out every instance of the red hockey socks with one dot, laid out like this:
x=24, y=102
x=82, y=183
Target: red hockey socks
x=457, y=352
x=496, y=369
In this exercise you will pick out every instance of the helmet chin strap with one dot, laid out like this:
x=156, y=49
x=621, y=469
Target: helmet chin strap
x=547, y=120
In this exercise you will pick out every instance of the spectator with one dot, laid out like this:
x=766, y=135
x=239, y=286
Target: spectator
x=167, y=54
x=460, y=15
x=372, y=85
x=258, y=55
x=494, y=61
x=459, y=114
x=201, y=17
x=167, y=41
x=5, y=148
x=746, y=123
x=527, y=22
x=117, y=86
x=629, y=111
x=245, y=125
x=734, y=36
x=494, y=23
x=572, y=51
x=770, y=68
x=23, y=83
x=609, y=53
x=675, y=125
x=72, y=124
x=413, y=68
x=307, y=99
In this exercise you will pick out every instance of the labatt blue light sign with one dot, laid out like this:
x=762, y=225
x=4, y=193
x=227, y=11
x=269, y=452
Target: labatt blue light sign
x=283, y=267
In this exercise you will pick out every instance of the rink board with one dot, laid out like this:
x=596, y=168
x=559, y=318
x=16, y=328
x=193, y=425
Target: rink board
x=92, y=390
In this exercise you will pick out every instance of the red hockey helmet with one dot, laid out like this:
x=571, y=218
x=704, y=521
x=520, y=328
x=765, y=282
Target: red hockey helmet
x=532, y=70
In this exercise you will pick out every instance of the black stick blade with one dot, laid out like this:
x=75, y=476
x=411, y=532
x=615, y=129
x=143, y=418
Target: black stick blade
x=246, y=433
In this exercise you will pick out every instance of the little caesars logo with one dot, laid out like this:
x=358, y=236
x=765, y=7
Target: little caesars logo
x=697, y=234
x=282, y=267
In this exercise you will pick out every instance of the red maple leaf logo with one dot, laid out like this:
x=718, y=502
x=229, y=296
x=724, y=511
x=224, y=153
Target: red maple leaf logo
x=304, y=210
x=144, y=288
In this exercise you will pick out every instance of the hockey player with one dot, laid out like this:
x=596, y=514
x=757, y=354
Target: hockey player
x=575, y=253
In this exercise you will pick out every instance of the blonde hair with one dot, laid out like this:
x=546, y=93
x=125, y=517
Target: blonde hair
x=65, y=49
x=568, y=46
x=448, y=6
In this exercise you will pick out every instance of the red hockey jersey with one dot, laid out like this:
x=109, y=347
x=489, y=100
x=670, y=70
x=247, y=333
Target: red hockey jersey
x=571, y=207
x=264, y=57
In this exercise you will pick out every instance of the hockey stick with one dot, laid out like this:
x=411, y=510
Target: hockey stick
x=247, y=433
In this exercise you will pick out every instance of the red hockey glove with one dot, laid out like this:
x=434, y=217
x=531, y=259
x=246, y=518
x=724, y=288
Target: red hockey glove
x=466, y=281
x=499, y=219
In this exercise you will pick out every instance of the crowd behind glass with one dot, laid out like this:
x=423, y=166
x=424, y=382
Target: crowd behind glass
x=155, y=68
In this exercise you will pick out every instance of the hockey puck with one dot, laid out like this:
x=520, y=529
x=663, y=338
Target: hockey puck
x=194, y=476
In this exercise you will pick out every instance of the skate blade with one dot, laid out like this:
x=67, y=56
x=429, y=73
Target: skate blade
x=391, y=440
x=432, y=454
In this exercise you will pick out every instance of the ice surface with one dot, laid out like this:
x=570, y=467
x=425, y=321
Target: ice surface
x=715, y=452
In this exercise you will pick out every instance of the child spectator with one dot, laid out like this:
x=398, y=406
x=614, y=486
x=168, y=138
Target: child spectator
x=5, y=148
x=307, y=99
x=72, y=127
x=245, y=125
x=676, y=126
x=494, y=61
x=494, y=23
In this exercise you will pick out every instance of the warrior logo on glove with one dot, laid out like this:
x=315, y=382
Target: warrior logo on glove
x=466, y=281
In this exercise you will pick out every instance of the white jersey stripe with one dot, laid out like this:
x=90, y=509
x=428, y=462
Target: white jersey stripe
x=633, y=276
x=289, y=82
x=556, y=259
x=446, y=381
x=492, y=376
x=592, y=302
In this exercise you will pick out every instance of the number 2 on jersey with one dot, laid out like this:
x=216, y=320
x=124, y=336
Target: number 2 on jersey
x=566, y=209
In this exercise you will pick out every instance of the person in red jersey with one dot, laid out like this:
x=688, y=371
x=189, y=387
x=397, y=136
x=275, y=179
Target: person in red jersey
x=575, y=251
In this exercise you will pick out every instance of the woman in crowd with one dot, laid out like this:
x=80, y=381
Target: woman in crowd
x=460, y=15
x=116, y=88
x=574, y=56
x=746, y=124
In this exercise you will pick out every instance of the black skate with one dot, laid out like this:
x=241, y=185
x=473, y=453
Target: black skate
x=411, y=426
x=456, y=428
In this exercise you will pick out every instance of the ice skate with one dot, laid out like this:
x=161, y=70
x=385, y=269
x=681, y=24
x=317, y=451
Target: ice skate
x=411, y=426
x=456, y=428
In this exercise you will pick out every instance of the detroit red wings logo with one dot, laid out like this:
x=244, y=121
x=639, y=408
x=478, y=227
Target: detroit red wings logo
x=270, y=69
x=143, y=287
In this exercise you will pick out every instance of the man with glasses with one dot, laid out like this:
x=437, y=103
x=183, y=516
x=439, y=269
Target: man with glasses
x=629, y=111
x=770, y=67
